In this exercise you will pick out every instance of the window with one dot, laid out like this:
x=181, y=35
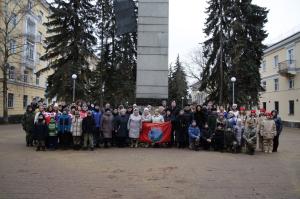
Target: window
x=30, y=27
x=275, y=64
x=264, y=85
x=13, y=19
x=276, y=84
x=30, y=5
x=10, y=100
x=29, y=50
x=276, y=106
x=25, y=101
x=12, y=46
x=38, y=55
x=264, y=105
x=291, y=83
x=291, y=107
x=37, y=80
x=11, y=72
x=290, y=55
x=25, y=76
x=40, y=16
x=264, y=65
x=40, y=37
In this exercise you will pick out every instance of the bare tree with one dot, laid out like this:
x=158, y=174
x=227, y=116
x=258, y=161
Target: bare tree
x=12, y=43
x=196, y=64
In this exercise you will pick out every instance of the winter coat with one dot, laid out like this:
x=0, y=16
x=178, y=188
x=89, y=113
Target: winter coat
x=76, y=127
x=134, y=126
x=107, y=125
x=41, y=130
x=121, y=126
x=268, y=129
x=278, y=124
x=194, y=132
x=88, y=125
x=199, y=116
x=188, y=116
x=146, y=118
x=157, y=119
x=64, y=124
x=238, y=133
x=181, y=128
x=169, y=118
x=28, y=121
x=52, y=127
x=97, y=115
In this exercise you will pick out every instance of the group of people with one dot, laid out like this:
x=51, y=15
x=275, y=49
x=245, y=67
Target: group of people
x=86, y=126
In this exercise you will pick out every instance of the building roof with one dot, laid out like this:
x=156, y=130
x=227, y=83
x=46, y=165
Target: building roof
x=293, y=38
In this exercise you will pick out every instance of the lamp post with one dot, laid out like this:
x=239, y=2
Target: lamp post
x=74, y=77
x=233, y=80
x=182, y=98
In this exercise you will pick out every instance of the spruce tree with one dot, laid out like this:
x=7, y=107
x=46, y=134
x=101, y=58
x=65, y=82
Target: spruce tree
x=69, y=46
x=178, y=86
x=215, y=73
x=247, y=49
x=234, y=48
x=116, y=69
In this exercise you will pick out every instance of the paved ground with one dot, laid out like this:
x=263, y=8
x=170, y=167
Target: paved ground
x=146, y=173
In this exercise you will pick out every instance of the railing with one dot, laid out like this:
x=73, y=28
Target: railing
x=287, y=67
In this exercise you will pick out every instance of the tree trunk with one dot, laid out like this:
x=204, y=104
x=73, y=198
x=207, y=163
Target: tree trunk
x=5, y=89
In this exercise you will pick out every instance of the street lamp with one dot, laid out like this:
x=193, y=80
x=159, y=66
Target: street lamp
x=74, y=77
x=182, y=98
x=233, y=80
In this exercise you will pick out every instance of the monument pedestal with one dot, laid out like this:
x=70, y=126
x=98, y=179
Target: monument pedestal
x=152, y=55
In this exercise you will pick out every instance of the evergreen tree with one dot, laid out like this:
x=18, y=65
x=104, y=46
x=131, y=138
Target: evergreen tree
x=178, y=86
x=215, y=73
x=234, y=48
x=247, y=49
x=69, y=46
x=116, y=69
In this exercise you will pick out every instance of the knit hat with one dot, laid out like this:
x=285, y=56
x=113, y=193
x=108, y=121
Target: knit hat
x=242, y=108
x=253, y=111
x=262, y=110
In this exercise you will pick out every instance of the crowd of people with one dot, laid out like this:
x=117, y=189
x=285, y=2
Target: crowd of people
x=86, y=126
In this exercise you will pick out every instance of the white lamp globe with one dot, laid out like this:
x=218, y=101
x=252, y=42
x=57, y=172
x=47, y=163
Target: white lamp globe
x=74, y=76
x=233, y=79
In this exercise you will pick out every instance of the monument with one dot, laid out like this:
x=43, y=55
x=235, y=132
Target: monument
x=152, y=51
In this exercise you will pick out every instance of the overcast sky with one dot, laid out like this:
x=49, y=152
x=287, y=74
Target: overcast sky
x=187, y=19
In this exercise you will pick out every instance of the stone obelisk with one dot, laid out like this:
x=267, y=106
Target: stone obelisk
x=152, y=57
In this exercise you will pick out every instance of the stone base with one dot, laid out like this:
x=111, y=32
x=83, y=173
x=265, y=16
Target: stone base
x=149, y=101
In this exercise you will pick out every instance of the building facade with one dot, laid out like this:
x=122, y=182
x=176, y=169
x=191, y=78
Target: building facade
x=198, y=97
x=24, y=85
x=280, y=77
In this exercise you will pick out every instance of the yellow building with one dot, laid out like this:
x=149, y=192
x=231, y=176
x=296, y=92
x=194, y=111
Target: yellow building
x=23, y=85
x=280, y=73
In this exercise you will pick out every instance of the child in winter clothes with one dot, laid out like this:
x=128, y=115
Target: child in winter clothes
x=52, y=129
x=88, y=129
x=194, y=136
x=268, y=132
x=76, y=130
x=64, y=127
x=238, y=133
x=41, y=132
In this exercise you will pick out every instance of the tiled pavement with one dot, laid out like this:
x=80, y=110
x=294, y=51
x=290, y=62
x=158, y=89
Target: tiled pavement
x=153, y=173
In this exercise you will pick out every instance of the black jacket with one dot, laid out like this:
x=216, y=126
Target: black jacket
x=88, y=125
x=121, y=126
